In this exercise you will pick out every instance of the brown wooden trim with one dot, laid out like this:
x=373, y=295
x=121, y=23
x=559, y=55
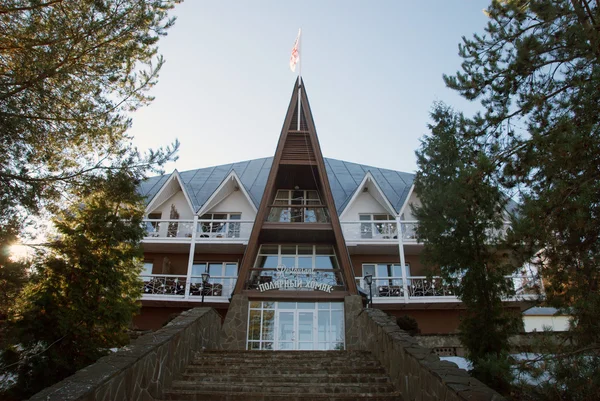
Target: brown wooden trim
x=309, y=153
x=296, y=226
x=300, y=162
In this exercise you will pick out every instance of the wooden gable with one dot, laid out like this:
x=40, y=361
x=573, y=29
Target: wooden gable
x=298, y=154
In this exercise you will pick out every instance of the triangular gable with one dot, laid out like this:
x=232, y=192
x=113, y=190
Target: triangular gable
x=370, y=184
x=298, y=147
x=171, y=186
x=229, y=185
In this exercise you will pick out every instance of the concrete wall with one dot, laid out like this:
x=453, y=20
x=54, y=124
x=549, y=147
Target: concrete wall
x=415, y=371
x=142, y=370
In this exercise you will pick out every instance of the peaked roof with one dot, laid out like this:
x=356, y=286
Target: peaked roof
x=344, y=179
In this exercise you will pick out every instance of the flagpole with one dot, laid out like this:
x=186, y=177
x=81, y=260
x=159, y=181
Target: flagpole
x=299, y=75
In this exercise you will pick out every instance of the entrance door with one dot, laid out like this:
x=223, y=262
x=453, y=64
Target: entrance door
x=296, y=326
x=295, y=330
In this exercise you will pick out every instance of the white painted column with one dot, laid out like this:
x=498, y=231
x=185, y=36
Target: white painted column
x=402, y=261
x=191, y=258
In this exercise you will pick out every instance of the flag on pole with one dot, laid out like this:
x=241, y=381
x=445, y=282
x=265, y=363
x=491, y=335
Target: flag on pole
x=295, y=57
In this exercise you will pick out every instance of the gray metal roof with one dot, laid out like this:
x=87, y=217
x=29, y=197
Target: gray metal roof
x=542, y=311
x=344, y=179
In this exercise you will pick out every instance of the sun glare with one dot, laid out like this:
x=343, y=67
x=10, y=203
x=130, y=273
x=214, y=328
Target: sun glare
x=19, y=252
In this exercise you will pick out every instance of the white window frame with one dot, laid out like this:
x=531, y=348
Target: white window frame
x=370, y=226
x=227, y=228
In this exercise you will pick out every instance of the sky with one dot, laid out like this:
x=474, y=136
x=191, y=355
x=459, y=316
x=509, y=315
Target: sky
x=372, y=71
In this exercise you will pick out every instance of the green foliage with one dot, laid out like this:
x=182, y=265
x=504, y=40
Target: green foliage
x=536, y=72
x=87, y=287
x=70, y=74
x=460, y=222
x=408, y=324
x=496, y=371
x=70, y=71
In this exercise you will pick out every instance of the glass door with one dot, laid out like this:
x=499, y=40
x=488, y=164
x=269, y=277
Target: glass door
x=296, y=326
x=286, y=330
x=296, y=329
x=306, y=328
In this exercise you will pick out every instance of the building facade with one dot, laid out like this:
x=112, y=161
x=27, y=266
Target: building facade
x=290, y=237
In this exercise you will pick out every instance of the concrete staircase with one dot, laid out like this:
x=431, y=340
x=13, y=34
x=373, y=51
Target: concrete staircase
x=283, y=375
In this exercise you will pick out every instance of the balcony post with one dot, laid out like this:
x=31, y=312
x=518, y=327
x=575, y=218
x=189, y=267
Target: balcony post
x=402, y=260
x=191, y=257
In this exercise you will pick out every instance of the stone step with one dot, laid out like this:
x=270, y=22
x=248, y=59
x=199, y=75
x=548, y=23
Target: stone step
x=291, y=362
x=285, y=388
x=282, y=354
x=270, y=370
x=285, y=359
x=252, y=377
x=228, y=396
x=283, y=375
x=285, y=354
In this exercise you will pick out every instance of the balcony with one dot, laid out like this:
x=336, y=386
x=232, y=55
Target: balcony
x=201, y=230
x=421, y=289
x=384, y=231
x=181, y=288
x=300, y=214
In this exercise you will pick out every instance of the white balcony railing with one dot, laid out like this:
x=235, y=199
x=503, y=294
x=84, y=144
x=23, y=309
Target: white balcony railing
x=167, y=285
x=202, y=230
x=378, y=230
x=171, y=286
x=418, y=288
x=168, y=228
x=224, y=229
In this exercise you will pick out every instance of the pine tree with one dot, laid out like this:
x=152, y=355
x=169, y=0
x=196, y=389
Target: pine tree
x=536, y=72
x=70, y=72
x=461, y=222
x=87, y=286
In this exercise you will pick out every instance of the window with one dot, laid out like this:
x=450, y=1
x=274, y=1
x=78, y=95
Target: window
x=301, y=262
x=378, y=226
x=387, y=278
x=298, y=206
x=219, y=225
x=223, y=276
x=147, y=269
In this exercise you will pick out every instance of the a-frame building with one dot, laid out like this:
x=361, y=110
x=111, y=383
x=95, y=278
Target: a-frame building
x=287, y=248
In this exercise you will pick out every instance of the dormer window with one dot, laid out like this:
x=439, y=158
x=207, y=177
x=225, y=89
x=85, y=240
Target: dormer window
x=298, y=206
